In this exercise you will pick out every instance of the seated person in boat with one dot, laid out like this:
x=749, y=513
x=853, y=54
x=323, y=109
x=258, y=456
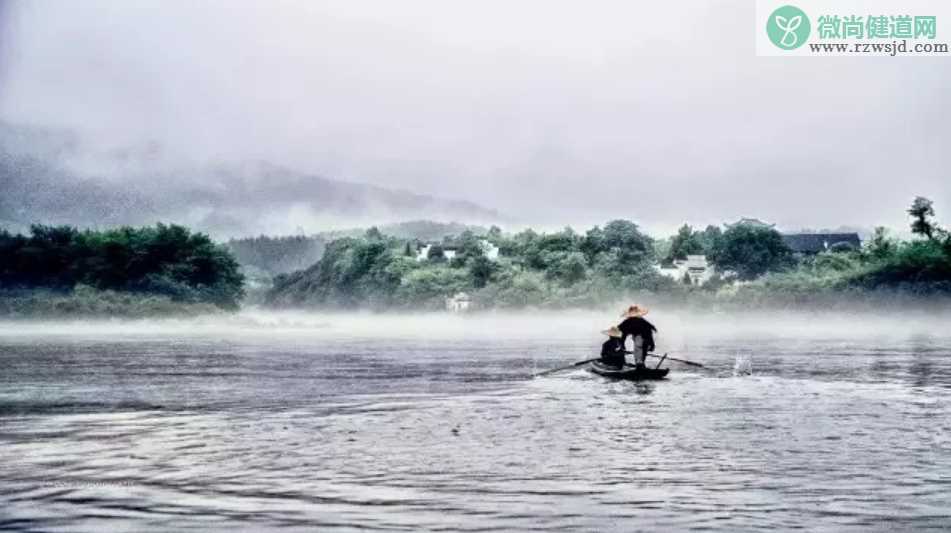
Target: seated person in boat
x=640, y=330
x=612, y=351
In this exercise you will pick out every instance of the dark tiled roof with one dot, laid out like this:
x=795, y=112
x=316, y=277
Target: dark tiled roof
x=750, y=222
x=813, y=243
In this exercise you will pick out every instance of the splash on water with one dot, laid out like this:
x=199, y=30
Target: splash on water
x=743, y=365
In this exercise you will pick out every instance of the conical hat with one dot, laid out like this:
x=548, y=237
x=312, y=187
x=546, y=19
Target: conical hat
x=634, y=311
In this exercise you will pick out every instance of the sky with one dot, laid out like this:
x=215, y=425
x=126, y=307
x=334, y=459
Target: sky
x=554, y=113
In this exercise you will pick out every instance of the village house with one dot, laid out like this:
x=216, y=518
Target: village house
x=458, y=303
x=490, y=250
x=814, y=243
x=755, y=222
x=422, y=252
x=696, y=267
x=809, y=243
x=700, y=270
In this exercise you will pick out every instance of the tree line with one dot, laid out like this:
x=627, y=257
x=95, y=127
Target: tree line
x=568, y=268
x=558, y=269
x=163, y=259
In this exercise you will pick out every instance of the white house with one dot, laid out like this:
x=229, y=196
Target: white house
x=695, y=266
x=449, y=252
x=423, y=253
x=458, y=303
x=490, y=250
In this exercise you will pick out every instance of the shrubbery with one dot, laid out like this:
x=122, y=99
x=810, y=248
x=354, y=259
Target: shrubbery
x=567, y=269
x=920, y=268
x=553, y=270
x=86, y=301
x=164, y=260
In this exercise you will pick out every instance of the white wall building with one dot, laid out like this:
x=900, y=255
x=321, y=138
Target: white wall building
x=695, y=266
x=423, y=253
x=490, y=250
x=458, y=303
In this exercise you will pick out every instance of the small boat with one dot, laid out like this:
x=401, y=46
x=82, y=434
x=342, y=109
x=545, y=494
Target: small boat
x=627, y=372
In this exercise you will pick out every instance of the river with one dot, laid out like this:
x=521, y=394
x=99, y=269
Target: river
x=293, y=421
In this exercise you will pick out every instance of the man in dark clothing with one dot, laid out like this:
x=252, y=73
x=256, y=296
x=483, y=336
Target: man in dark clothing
x=612, y=351
x=640, y=330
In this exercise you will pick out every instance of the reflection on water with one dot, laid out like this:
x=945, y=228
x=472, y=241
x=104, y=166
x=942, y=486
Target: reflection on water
x=340, y=428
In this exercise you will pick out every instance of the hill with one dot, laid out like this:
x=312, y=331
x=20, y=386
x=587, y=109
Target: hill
x=51, y=177
x=283, y=254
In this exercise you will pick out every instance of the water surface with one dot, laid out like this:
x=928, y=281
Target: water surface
x=432, y=423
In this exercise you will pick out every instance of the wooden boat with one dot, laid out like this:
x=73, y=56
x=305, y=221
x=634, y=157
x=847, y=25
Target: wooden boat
x=627, y=372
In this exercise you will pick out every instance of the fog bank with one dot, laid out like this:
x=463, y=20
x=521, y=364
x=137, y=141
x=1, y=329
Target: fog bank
x=676, y=327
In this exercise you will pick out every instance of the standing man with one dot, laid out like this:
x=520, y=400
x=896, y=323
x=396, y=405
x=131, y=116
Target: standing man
x=640, y=330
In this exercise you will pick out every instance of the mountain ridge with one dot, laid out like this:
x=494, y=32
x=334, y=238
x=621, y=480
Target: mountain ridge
x=41, y=184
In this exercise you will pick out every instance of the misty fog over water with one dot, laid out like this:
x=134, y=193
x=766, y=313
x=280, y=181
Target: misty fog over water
x=351, y=421
x=677, y=324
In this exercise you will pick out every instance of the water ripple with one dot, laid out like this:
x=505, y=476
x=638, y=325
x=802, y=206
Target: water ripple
x=243, y=435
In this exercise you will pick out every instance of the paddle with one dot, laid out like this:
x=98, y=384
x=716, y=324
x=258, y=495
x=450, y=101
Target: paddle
x=684, y=361
x=579, y=363
x=586, y=361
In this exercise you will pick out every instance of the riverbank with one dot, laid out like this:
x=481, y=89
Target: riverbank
x=86, y=302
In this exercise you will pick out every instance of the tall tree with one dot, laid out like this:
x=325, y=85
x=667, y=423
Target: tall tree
x=685, y=242
x=922, y=213
x=710, y=238
x=751, y=251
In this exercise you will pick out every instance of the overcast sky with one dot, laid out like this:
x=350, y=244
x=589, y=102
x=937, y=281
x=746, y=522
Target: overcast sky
x=552, y=112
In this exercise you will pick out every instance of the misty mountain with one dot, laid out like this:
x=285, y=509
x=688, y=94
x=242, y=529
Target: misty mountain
x=51, y=177
x=277, y=255
x=422, y=230
x=282, y=254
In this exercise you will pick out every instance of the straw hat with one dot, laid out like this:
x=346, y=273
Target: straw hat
x=634, y=311
x=612, y=332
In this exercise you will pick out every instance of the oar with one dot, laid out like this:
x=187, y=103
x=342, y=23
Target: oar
x=579, y=363
x=684, y=361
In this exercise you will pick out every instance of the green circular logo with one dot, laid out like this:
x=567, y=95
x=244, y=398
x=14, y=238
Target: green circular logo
x=788, y=27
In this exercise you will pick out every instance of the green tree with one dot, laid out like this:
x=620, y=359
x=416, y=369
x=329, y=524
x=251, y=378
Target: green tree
x=481, y=269
x=164, y=259
x=566, y=267
x=685, y=242
x=542, y=251
x=710, y=238
x=620, y=249
x=494, y=235
x=373, y=234
x=436, y=254
x=469, y=246
x=427, y=287
x=881, y=246
x=750, y=251
x=922, y=214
